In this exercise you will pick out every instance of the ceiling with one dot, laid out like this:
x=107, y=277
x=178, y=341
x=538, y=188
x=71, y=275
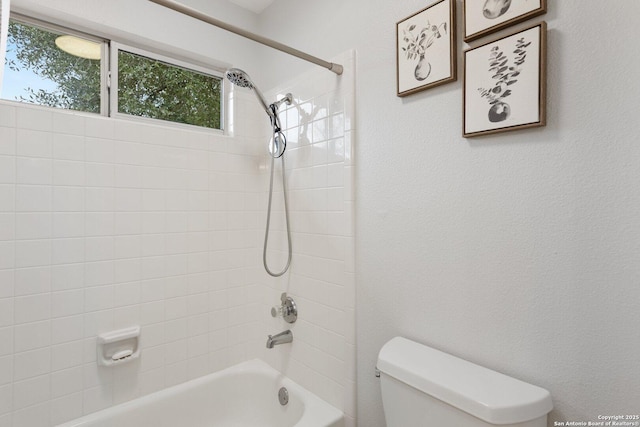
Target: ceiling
x=256, y=6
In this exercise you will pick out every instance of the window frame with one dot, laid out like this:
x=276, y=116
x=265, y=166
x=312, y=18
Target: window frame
x=113, y=85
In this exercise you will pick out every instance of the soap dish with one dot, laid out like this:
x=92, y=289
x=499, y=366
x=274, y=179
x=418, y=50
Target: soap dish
x=118, y=347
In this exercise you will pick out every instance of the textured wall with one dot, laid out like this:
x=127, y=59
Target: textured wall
x=519, y=251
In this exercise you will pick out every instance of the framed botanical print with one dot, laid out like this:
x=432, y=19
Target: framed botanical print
x=482, y=17
x=426, y=48
x=505, y=83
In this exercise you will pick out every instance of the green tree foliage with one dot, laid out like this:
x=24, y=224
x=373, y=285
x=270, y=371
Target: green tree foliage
x=150, y=88
x=146, y=87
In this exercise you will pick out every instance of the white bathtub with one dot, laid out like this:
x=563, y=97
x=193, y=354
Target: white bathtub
x=245, y=395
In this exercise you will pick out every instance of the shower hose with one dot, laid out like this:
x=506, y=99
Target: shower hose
x=278, y=138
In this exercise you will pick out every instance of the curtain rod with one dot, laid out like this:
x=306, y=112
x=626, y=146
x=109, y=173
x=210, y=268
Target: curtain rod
x=178, y=7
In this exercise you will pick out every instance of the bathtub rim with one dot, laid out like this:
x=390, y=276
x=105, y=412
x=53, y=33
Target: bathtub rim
x=314, y=407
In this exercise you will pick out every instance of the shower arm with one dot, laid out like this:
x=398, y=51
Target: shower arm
x=178, y=7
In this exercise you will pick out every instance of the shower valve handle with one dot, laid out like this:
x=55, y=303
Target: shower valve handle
x=288, y=309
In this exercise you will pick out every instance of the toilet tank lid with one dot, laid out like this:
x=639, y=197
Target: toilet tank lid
x=491, y=396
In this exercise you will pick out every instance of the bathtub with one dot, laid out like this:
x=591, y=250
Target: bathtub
x=245, y=395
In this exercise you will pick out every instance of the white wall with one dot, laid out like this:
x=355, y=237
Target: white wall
x=519, y=251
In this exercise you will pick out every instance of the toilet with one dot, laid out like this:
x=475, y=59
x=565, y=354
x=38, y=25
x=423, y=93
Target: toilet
x=424, y=387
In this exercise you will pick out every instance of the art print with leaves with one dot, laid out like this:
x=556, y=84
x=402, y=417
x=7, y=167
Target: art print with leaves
x=426, y=48
x=506, y=75
x=505, y=82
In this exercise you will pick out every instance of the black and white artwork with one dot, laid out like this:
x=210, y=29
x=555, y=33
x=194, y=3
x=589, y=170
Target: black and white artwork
x=426, y=48
x=482, y=17
x=504, y=83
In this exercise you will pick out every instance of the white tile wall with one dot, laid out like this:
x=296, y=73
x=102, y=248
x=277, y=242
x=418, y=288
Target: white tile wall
x=107, y=223
x=319, y=164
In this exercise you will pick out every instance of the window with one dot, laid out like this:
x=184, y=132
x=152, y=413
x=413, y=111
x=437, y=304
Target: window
x=153, y=88
x=50, y=66
x=39, y=71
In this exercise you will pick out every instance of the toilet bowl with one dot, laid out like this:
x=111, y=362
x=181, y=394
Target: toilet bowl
x=424, y=387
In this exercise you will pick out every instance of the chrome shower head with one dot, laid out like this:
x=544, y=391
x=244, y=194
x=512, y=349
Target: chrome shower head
x=241, y=78
x=278, y=142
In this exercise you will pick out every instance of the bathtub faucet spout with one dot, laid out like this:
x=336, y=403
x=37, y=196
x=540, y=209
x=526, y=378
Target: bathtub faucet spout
x=281, y=338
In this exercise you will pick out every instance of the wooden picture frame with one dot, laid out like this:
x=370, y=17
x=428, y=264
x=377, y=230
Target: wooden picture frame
x=483, y=17
x=511, y=68
x=426, y=48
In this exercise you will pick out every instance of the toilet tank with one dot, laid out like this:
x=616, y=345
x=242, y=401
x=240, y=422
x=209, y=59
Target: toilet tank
x=424, y=387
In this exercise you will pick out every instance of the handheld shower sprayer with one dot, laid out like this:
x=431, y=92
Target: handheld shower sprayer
x=278, y=142
x=277, y=146
x=240, y=78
